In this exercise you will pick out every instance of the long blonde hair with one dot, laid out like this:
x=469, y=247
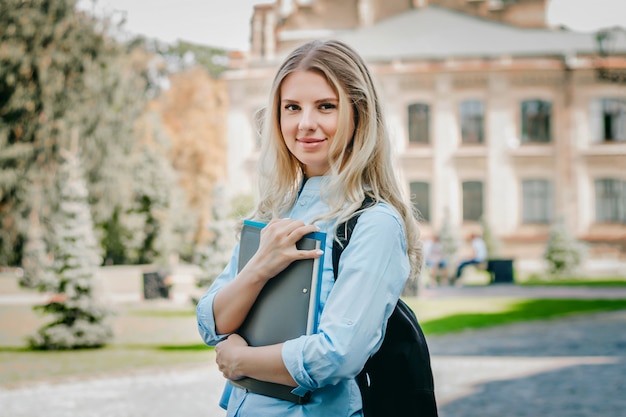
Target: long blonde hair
x=359, y=163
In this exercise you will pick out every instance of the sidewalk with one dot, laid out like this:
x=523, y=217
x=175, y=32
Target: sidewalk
x=569, y=367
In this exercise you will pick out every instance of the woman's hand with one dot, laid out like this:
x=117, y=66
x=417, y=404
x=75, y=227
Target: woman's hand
x=236, y=360
x=277, y=247
x=227, y=356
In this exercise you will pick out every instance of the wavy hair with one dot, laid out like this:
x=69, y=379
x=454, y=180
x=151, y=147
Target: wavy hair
x=360, y=163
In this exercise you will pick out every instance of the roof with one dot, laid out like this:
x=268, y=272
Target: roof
x=436, y=33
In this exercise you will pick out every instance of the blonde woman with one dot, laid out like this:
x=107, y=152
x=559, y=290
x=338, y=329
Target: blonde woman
x=324, y=149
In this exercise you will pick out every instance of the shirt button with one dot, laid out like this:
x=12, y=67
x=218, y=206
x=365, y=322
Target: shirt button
x=350, y=322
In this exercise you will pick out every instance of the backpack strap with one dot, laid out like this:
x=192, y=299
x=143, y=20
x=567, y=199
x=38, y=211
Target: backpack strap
x=343, y=232
x=398, y=379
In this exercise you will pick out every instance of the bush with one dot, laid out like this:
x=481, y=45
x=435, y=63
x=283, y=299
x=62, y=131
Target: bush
x=563, y=252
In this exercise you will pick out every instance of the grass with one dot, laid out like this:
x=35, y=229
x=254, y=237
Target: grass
x=574, y=282
x=146, y=337
x=19, y=366
x=514, y=311
x=149, y=337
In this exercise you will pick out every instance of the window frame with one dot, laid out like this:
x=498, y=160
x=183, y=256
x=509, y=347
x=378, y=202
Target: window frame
x=537, y=201
x=418, y=123
x=610, y=200
x=473, y=207
x=472, y=121
x=613, y=108
x=536, y=124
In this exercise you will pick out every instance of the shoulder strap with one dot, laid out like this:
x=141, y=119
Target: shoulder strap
x=344, y=232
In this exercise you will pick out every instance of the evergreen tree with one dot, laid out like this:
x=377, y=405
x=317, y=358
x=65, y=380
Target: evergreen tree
x=150, y=218
x=563, y=252
x=213, y=257
x=36, y=265
x=79, y=321
x=183, y=54
x=58, y=68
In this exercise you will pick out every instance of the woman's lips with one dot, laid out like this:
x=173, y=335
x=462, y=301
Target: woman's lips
x=310, y=143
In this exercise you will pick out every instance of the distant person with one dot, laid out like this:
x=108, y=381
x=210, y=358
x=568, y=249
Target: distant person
x=436, y=261
x=324, y=149
x=479, y=254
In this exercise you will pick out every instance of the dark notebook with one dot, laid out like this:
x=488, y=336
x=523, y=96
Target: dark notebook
x=285, y=308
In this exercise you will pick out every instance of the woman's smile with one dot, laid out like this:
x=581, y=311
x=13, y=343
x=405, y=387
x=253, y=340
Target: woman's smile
x=309, y=116
x=310, y=143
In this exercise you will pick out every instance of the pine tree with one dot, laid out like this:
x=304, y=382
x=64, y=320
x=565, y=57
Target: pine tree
x=37, y=269
x=157, y=181
x=213, y=257
x=58, y=68
x=563, y=252
x=79, y=321
x=153, y=180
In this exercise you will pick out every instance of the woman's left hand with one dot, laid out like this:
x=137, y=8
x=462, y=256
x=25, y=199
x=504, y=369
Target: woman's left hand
x=227, y=356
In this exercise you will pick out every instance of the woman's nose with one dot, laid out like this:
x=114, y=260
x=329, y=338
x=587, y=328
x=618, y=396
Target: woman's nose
x=307, y=120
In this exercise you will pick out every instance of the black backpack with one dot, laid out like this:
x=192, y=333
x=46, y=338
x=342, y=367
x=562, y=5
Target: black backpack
x=398, y=379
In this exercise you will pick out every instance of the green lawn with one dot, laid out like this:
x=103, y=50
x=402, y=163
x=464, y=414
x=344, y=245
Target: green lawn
x=446, y=316
x=574, y=282
x=149, y=337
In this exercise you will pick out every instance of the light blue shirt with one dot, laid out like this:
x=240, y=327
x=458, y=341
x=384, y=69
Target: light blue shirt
x=352, y=312
x=480, y=249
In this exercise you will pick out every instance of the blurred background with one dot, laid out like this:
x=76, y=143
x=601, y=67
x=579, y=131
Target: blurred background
x=128, y=136
x=128, y=144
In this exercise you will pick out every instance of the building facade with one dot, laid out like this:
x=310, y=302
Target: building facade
x=492, y=114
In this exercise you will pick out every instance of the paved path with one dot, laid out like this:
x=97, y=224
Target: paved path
x=568, y=367
x=509, y=290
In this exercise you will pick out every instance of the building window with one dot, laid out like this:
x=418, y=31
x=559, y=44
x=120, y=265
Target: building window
x=420, y=196
x=472, y=201
x=419, y=129
x=536, y=201
x=608, y=120
x=472, y=115
x=610, y=200
x=536, y=121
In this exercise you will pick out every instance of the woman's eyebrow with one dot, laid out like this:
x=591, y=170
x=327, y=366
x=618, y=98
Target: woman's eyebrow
x=322, y=100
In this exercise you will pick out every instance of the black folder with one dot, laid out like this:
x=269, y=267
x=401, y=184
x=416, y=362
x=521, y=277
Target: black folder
x=285, y=308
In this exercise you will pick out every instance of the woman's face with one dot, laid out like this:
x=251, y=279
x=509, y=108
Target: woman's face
x=309, y=115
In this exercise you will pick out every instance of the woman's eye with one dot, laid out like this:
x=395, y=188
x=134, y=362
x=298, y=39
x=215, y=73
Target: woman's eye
x=327, y=106
x=292, y=107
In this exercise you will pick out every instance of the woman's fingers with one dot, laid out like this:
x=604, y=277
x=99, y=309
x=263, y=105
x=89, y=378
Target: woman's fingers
x=277, y=248
x=226, y=356
x=289, y=229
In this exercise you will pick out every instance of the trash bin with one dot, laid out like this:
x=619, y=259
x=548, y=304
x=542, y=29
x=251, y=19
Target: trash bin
x=151, y=287
x=155, y=285
x=501, y=270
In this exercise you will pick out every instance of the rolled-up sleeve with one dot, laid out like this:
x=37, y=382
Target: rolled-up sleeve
x=204, y=309
x=373, y=270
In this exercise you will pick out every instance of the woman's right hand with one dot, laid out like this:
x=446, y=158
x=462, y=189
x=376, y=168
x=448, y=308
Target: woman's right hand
x=277, y=247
